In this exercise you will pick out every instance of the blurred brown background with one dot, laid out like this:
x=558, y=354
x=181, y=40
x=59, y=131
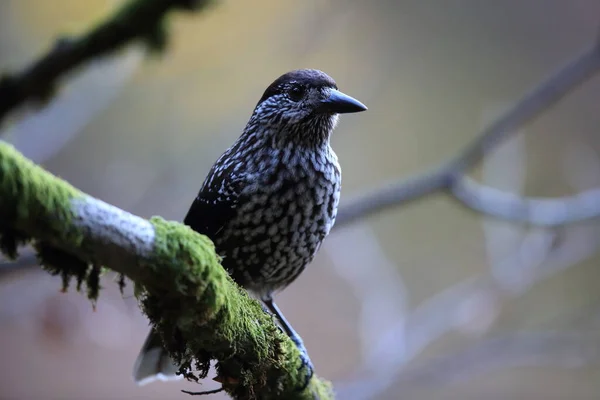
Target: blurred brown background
x=430, y=301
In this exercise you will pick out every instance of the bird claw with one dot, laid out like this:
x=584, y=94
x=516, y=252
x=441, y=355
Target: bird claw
x=308, y=368
x=306, y=364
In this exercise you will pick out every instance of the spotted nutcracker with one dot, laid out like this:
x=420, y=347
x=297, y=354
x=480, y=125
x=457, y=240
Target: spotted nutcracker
x=269, y=201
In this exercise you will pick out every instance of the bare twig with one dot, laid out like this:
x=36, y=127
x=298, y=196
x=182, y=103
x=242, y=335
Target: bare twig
x=136, y=20
x=449, y=176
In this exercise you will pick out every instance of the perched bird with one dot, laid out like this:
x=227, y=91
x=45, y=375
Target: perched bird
x=269, y=201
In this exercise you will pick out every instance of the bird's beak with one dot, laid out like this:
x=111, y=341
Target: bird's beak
x=340, y=103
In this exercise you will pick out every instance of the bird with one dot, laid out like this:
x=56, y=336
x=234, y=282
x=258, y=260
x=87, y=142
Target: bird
x=270, y=199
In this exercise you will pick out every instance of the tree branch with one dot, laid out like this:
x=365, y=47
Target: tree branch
x=135, y=20
x=538, y=211
x=449, y=176
x=190, y=299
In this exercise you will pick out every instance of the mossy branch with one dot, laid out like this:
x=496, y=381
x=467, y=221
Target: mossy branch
x=190, y=299
x=142, y=20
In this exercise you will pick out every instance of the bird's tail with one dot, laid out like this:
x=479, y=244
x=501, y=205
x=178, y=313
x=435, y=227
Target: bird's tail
x=153, y=363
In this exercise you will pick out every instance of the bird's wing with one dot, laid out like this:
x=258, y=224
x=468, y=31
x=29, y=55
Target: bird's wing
x=215, y=204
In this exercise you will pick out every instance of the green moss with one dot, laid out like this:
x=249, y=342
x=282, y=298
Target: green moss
x=321, y=389
x=183, y=266
x=204, y=315
x=57, y=262
x=35, y=201
x=32, y=196
x=11, y=240
x=199, y=311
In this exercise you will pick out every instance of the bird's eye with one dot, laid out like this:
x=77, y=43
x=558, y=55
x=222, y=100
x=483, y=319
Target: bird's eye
x=296, y=92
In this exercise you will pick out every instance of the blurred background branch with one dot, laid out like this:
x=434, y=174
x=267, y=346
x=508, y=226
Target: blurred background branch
x=535, y=211
x=135, y=20
x=449, y=177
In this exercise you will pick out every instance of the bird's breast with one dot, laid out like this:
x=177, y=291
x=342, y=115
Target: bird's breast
x=295, y=200
x=288, y=212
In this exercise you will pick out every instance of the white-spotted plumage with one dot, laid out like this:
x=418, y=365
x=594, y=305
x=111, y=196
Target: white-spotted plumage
x=271, y=198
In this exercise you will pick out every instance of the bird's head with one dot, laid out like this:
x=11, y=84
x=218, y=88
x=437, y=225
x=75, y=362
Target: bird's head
x=303, y=105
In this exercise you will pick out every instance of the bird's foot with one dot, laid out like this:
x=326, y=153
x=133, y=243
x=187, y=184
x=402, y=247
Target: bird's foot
x=309, y=369
x=306, y=364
